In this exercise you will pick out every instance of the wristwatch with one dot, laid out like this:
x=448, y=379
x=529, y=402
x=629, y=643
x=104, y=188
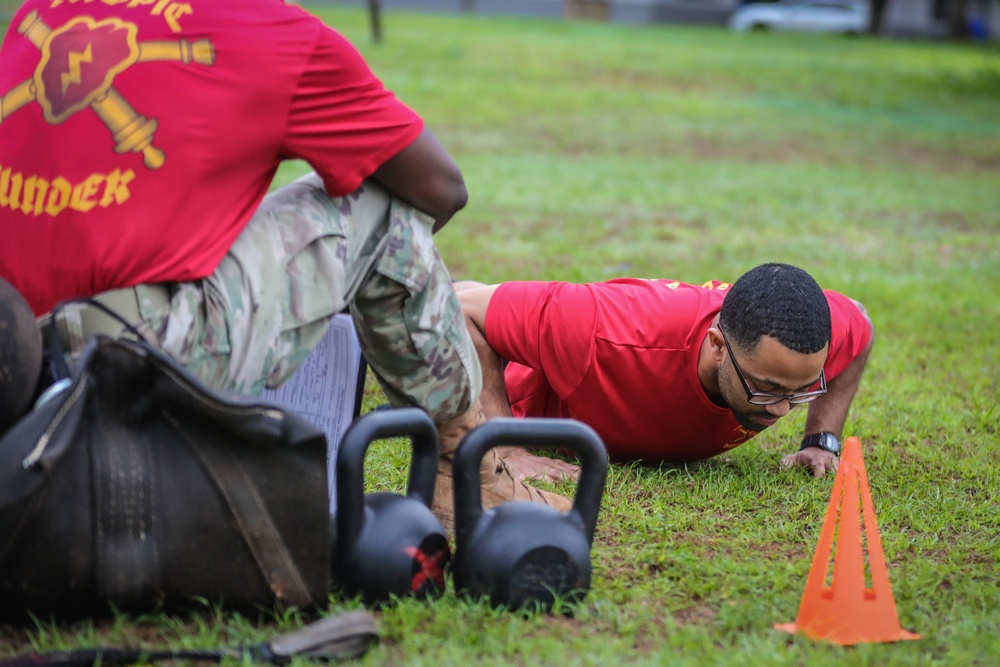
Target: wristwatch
x=825, y=440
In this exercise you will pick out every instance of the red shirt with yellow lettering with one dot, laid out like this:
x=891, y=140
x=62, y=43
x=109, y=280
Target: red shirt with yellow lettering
x=622, y=357
x=138, y=138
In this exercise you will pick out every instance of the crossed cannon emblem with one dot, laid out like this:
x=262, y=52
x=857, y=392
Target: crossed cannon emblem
x=79, y=63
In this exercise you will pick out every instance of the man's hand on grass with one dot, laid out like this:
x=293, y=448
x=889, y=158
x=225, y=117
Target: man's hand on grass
x=818, y=460
x=524, y=466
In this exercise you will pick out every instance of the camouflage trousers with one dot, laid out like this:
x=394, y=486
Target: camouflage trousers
x=305, y=257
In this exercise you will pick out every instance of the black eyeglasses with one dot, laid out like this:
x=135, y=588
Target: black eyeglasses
x=766, y=398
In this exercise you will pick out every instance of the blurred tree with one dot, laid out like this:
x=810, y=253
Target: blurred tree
x=953, y=13
x=587, y=9
x=375, y=9
x=875, y=18
x=958, y=24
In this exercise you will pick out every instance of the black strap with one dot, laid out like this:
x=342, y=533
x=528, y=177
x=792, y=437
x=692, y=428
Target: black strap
x=53, y=345
x=254, y=521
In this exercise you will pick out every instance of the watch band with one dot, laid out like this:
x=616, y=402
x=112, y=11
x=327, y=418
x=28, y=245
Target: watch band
x=826, y=441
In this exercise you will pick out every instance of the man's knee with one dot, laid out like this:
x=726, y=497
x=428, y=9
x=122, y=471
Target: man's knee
x=420, y=350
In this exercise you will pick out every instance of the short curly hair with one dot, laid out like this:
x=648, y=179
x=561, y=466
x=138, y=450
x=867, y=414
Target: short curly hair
x=780, y=301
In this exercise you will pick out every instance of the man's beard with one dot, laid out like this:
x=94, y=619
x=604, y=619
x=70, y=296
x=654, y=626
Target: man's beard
x=733, y=394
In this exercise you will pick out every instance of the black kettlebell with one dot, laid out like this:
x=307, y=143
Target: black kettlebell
x=387, y=544
x=523, y=554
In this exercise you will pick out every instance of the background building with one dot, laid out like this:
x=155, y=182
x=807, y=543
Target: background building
x=909, y=18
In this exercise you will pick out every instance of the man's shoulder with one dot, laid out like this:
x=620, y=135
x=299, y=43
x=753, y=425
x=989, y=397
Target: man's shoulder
x=630, y=299
x=659, y=313
x=661, y=295
x=851, y=327
x=846, y=309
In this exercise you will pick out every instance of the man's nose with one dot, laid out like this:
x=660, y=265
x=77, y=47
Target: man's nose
x=779, y=409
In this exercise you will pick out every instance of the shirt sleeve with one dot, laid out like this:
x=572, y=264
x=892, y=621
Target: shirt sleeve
x=849, y=336
x=342, y=120
x=549, y=327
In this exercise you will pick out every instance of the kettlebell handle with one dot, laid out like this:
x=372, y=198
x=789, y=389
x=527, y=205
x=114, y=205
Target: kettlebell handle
x=403, y=422
x=535, y=433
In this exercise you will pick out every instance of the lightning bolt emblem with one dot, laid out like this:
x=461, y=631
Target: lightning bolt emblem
x=74, y=59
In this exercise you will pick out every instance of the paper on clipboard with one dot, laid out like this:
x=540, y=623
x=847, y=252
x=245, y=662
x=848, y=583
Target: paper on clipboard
x=327, y=389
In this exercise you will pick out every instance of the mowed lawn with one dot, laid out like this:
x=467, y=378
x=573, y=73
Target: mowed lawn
x=594, y=151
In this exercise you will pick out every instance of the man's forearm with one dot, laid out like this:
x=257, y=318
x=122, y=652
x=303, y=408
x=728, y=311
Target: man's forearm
x=521, y=463
x=475, y=300
x=494, y=395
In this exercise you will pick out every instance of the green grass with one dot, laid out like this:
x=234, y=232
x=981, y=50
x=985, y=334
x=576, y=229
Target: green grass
x=593, y=151
x=7, y=9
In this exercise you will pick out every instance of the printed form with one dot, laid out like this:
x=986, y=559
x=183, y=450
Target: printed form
x=325, y=389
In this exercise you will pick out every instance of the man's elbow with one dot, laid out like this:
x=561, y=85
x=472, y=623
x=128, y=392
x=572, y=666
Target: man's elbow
x=451, y=196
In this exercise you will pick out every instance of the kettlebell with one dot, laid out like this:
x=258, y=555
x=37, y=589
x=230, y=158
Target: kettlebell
x=523, y=554
x=387, y=544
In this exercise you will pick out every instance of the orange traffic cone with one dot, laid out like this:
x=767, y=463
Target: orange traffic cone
x=848, y=611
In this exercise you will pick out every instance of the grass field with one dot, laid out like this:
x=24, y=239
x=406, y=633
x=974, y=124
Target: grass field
x=593, y=151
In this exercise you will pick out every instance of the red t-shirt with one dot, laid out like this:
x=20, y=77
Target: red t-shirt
x=622, y=356
x=137, y=140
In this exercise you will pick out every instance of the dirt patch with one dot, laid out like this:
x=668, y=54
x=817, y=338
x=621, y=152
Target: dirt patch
x=953, y=220
x=16, y=639
x=695, y=615
x=804, y=149
x=649, y=638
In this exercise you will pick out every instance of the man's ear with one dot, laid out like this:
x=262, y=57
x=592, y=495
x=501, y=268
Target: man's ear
x=716, y=343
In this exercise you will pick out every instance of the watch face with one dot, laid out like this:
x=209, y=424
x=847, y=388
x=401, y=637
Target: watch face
x=826, y=441
x=829, y=442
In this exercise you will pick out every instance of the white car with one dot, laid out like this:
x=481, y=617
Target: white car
x=848, y=17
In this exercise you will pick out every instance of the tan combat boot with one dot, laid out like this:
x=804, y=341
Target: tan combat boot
x=498, y=484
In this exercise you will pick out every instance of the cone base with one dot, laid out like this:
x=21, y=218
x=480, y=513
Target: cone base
x=792, y=628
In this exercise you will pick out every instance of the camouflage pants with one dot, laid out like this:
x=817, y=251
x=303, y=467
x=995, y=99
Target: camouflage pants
x=303, y=258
